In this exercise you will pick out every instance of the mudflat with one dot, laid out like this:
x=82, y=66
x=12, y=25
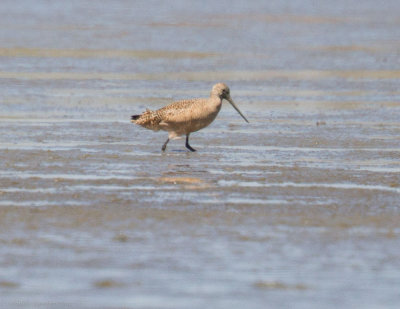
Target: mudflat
x=298, y=208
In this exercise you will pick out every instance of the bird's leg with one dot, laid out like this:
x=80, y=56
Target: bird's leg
x=165, y=145
x=187, y=144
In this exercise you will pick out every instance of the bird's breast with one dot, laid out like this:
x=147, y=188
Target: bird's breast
x=202, y=116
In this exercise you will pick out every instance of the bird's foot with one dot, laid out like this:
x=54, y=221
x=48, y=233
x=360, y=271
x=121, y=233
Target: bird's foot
x=187, y=144
x=190, y=148
x=165, y=145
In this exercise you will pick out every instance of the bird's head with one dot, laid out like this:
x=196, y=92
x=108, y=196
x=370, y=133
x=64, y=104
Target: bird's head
x=222, y=91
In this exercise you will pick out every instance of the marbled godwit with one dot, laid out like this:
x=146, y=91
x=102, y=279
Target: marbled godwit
x=186, y=116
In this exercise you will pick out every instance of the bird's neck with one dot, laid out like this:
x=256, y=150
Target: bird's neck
x=216, y=101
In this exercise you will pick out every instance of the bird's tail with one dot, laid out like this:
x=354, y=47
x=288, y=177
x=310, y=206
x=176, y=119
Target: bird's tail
x=149, y=119
x=134, y=117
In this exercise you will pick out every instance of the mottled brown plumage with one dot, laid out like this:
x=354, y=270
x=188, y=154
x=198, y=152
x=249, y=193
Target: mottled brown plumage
x=186, y=116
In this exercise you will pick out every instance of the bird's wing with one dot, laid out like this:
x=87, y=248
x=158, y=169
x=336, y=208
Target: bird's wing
x=178, y=111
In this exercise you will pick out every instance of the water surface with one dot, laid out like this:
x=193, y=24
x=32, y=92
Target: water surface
x=299, y=208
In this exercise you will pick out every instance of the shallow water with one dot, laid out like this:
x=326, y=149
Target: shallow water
x=299, y=208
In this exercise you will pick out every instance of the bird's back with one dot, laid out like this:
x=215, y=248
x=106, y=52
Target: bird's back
x=175, y=112
x=181, y=117
x=180, y=110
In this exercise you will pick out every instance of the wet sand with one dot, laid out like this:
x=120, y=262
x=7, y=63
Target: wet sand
x=299, y=208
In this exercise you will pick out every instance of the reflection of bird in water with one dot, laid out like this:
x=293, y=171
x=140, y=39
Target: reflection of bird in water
x=186, y=116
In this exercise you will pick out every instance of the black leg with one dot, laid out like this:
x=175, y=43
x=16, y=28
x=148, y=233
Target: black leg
x=187, y=144
x=165, y=145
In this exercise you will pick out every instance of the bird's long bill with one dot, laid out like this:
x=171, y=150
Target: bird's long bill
x=237, y=109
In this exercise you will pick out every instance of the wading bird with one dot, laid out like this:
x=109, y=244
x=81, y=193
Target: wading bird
x=186, y=116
